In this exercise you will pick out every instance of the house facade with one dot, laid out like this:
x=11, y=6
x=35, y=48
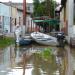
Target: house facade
x=8, y=17
x=29, y=12
x=13, y=18
x=5, y=17
x=67, y=18
x=13, y=14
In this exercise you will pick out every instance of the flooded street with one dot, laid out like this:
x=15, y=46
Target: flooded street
x=37, y=60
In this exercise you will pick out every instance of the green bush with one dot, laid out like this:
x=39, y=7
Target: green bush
x=5, y=41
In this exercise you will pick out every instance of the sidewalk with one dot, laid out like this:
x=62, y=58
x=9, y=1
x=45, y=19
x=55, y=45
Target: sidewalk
x=9, y=34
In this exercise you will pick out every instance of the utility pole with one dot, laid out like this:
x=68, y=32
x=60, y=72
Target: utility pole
x=24, y=12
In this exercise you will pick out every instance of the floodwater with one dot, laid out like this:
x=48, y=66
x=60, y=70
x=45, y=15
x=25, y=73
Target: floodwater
x=36, y=60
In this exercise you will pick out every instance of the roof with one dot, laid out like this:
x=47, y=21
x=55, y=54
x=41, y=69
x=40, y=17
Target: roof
x=7, y=3
x=19, y=6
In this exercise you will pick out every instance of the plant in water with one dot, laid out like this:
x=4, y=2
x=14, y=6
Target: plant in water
x=47, y=53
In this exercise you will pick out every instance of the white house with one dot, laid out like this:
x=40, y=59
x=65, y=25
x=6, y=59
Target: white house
x=29, y=11
x=14, y=12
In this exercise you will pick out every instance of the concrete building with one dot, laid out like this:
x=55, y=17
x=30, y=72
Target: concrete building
x=13, y=14
x=29, y=12
x=13, y=18
x=67, y=18
x=5, y=17
x=8, y=17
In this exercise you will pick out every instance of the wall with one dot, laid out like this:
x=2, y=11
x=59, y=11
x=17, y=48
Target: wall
x=29, y=7
x=4, y=11
x=62, y=20
x=68, y=13
x=13, y=15
x=30, y=26
x=20, y=17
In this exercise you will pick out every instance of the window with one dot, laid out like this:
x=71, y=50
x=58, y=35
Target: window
x=28, y=8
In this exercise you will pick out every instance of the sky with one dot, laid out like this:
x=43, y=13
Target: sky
x=29, y=1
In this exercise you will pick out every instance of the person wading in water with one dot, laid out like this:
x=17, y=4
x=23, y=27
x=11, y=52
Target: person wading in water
x=18, y=33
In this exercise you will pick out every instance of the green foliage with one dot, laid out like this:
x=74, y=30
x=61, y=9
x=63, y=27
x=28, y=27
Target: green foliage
x=40, y=10
x=6, y=41
x=44, y=8
x=36, y=5
x=47, y=53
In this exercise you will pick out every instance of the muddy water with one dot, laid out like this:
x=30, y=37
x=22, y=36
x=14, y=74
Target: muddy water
x=32, y=60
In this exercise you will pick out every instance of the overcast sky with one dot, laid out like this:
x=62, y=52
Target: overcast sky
x=29, y=1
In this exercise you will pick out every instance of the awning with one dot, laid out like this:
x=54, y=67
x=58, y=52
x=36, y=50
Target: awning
x=50, y=21
x=38, y=21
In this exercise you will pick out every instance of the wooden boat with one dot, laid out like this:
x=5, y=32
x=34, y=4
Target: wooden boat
x=44, y=39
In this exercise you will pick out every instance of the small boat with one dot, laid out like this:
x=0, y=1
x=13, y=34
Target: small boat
x=44, y=39
x=25, y=41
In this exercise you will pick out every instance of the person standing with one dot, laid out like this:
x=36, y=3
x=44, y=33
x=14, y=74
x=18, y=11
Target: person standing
x=18, y=33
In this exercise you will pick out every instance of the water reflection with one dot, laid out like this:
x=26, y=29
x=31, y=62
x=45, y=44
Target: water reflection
x=73, y=60
x=28, y=61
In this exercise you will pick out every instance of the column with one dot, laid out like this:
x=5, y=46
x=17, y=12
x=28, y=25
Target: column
x=70, y=11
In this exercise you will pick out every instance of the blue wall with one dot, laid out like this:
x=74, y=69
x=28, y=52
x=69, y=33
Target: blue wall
x=5, y=11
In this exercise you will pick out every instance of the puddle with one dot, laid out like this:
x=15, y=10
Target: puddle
x=36, y=60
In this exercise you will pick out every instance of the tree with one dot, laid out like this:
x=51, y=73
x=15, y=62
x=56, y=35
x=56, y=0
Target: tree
x=50, y=7
x=44, y=8
x=36, y=5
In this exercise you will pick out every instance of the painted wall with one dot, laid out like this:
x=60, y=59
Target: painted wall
x=70, y=6
x=62, y=20
x=13, y=15
x=14, y=12
x=4, y=11
x=69, y=15
x=20, y=17
x=29, y=7
x=30, y=25
x=1, y=24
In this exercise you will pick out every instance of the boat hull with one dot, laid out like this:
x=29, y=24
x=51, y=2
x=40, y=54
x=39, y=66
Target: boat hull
x=25, y=41
x=44, y=39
